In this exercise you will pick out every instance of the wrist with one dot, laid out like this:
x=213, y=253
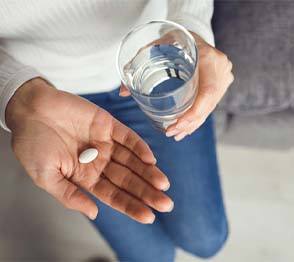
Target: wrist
x=27, y=101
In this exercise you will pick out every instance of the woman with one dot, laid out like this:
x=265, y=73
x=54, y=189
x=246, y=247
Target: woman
x=53, y=50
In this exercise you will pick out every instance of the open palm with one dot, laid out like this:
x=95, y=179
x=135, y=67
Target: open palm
x=49, y=139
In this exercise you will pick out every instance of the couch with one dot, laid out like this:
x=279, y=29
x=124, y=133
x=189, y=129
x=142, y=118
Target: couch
x=258, y=36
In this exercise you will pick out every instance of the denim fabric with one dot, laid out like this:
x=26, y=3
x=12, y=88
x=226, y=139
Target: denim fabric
x=198, y=222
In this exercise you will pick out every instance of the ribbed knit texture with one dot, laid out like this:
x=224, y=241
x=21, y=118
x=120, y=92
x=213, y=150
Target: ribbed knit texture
x=73, y=43
x=195, y=15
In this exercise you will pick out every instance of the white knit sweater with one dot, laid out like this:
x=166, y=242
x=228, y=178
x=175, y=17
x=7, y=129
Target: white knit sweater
x=73, y=43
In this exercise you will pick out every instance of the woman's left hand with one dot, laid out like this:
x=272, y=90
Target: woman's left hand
x=215, y=76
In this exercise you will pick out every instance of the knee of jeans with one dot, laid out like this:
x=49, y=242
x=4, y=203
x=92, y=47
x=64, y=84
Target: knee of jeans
x=205, y=243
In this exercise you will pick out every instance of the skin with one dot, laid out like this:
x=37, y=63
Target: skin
x=215, y=76
x=50, y=128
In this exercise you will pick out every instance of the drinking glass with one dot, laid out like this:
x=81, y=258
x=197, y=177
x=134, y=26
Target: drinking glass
x=158, y=63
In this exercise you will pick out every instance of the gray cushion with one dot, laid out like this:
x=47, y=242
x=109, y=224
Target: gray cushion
x=271, y=131
x=258, y=36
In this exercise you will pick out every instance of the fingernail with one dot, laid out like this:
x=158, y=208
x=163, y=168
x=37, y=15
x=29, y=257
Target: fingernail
x=152, y=161
x=172, y=132
x=166, y=187
x=149, y=159
x=152, y=219
x=180, y=136
x=93, y=214
x=171, y=207
x=183, y=124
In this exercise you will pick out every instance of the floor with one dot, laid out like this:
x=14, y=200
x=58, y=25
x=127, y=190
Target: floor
x=259, y=195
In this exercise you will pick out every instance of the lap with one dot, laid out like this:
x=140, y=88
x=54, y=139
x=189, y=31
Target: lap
x=191, y=166
x=131, y=240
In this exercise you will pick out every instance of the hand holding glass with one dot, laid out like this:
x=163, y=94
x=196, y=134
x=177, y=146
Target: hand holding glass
x=158, y=63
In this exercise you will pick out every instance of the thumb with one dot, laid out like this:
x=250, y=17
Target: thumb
x=124, y=91
x=69, y=195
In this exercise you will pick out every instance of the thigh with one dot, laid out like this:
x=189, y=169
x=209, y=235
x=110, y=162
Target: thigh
x=198, y=222
x=130, y=240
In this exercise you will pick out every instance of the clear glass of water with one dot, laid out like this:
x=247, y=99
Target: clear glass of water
x=158, y=63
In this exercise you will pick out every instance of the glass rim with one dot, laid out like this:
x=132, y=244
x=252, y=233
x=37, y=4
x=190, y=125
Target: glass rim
x=139, y=27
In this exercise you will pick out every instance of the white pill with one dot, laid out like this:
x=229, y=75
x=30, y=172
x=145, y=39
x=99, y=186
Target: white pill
x=88, y=155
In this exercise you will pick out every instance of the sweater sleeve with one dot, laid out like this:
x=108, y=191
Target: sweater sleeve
x=12, y=75
x=194, y=15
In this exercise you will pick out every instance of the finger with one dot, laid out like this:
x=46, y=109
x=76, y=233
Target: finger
x=123, y=202
x=194, y=126
x=69, y=195
x=202, y=107
x=150, y=173
x=190, y=128
x=173, y=131
x=181, y=136
x=129, y=181
x=128, y=138
x=124, y=91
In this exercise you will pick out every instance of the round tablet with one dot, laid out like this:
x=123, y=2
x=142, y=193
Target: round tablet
x=88, y=155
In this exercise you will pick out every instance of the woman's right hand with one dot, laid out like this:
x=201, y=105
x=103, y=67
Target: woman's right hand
x=50, y=128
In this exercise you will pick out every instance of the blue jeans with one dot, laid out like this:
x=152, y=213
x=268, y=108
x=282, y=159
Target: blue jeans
x=198, y=222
